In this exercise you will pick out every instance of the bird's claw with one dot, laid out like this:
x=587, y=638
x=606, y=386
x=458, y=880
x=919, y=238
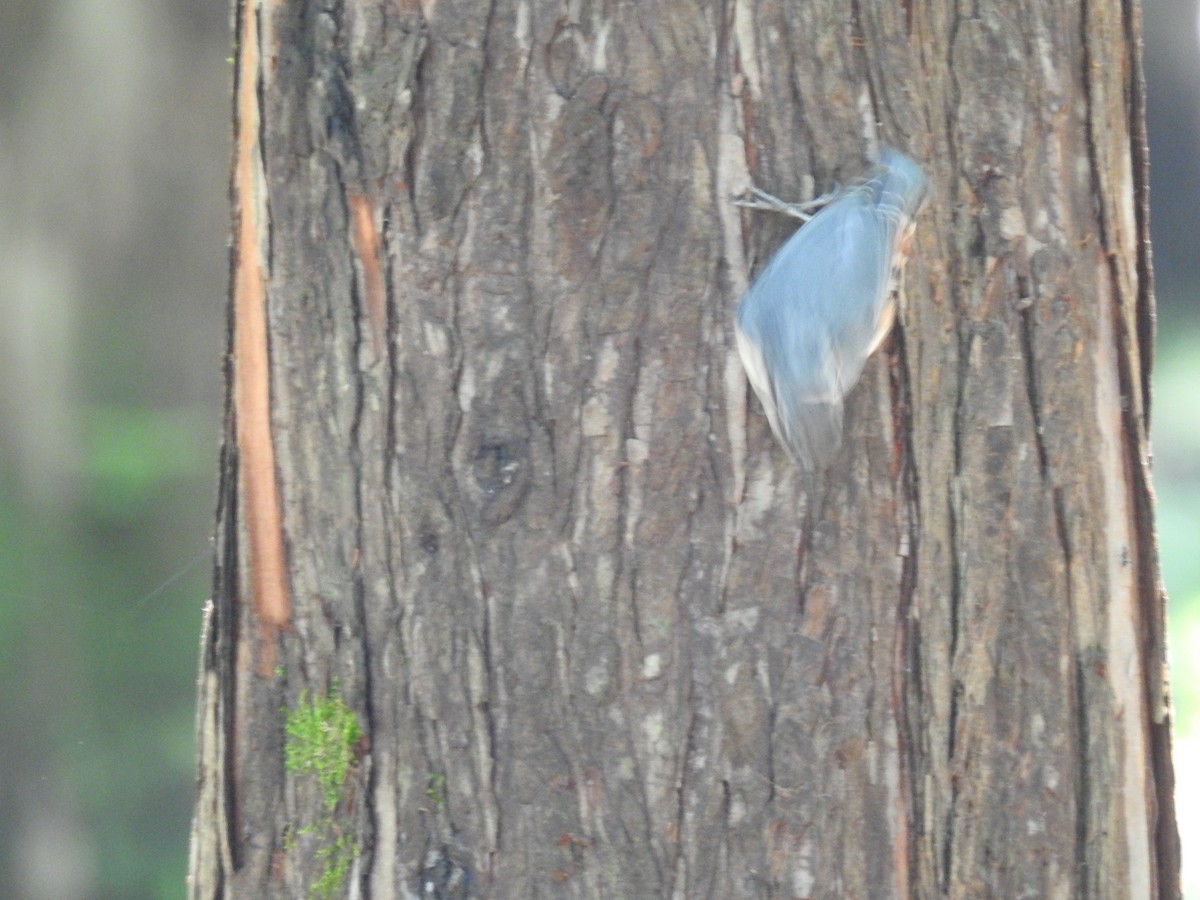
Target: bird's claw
x=759, y=199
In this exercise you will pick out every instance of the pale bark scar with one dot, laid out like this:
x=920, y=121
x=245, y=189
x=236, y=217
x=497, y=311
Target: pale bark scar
x=251, y=364
x=366, y=245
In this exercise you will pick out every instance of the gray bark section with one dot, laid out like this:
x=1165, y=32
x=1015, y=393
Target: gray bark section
x=545, y=544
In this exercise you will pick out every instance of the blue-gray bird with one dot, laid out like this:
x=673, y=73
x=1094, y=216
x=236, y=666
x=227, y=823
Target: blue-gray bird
x=825, y=301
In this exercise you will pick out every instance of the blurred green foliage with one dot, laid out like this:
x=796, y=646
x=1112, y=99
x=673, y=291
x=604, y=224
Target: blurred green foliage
x=132, y=454
x=1176, y=445
x=98, y=658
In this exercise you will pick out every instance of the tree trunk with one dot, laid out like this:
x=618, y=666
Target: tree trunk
x=495, y=494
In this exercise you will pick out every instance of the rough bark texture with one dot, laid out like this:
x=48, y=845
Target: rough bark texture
x=537, y=535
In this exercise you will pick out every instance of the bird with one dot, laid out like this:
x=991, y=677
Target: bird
x=825, y=301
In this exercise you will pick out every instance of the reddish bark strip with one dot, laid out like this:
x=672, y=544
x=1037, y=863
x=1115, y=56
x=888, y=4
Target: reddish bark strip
x=366, y=245
x=252, y=374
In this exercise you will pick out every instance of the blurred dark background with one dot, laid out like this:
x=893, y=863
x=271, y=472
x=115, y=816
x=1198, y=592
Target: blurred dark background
x=114, y=156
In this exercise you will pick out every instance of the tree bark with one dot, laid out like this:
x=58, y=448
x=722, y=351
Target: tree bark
x=493, y=481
